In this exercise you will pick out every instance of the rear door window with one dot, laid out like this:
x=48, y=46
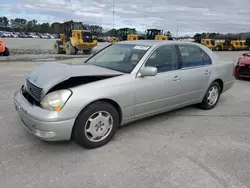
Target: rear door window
x=191, y=56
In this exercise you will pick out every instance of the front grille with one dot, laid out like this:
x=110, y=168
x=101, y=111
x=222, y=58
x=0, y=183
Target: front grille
x=34, y=90
x=29, y=97
x=244, y=70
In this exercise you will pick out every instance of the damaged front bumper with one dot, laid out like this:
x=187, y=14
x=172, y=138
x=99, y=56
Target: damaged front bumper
x=42, y=123
x=242, y=71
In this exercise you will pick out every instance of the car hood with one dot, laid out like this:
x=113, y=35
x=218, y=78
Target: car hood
x=48, y=75
x=245, y=60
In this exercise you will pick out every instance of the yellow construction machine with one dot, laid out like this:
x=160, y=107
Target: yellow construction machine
x=126, y=34
x=210, y=43
x=230, y=44
x=73, y=38
x=156, y=34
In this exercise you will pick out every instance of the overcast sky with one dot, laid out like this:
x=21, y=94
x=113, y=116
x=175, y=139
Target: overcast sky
x=191, y=15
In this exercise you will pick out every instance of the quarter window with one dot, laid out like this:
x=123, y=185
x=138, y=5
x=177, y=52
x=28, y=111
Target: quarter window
x=206, y=58
x=164, y=59
x=191, y=55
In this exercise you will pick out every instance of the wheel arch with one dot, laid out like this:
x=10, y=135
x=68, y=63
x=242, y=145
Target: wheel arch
x=221, y=84
x=110, y=101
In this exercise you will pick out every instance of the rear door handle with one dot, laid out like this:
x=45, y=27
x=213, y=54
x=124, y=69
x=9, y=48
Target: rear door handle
x=207, y=72
x=176, y=78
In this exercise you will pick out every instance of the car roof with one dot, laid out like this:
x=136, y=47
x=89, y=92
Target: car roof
x=154, y=42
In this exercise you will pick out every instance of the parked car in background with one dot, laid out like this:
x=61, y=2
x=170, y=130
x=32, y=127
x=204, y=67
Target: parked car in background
x=6, y=34
x=33, y=35
x=43, y=36
x=56, y=36
x=121, y=83
x=23, y=35
x=242, y=68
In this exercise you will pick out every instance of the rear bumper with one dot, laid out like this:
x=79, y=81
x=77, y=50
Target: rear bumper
x=228, y=85
x=42, y=123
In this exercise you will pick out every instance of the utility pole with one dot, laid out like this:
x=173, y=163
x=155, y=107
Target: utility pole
x=113, y=14
x=177, y=30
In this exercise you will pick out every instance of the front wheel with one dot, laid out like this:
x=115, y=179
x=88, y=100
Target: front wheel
x=212, y=96
x=96, y=125
x=70, y=50
x=6, y=52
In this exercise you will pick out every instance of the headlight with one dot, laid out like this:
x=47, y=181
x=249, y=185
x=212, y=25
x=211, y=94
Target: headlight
x=55, y=101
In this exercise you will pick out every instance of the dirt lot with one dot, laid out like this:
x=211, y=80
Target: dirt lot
x=185, y=148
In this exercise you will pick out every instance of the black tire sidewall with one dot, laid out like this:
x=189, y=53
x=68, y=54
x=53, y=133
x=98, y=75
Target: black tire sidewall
x=57, y=48
x=72, y=49
x=204, y=103
x=6, y=52
x=79, y=129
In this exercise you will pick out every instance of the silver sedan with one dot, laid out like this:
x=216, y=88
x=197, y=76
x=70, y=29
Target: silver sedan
x=123, y=82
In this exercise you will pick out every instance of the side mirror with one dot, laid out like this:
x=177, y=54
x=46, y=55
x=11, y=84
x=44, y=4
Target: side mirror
x=148, y=71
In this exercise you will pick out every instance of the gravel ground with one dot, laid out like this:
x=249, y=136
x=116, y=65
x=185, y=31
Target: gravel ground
x=35, y=46
x=186, y=148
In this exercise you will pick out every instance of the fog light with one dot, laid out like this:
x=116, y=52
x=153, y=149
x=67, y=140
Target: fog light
x=44, y=134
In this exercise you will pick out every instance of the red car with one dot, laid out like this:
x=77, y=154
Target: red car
x=242, y=68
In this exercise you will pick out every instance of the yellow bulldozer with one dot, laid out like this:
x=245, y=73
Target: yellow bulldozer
x=156, y=34
x=230, y=44
x=73, y=38
x=210, y=43
x=126, y=34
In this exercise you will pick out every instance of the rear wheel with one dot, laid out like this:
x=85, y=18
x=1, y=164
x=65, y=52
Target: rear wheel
x=57, y=48
x=212, y=96
x=231, y=48
x=217, y=48
x=76, y=50
x=6, y=52
x=89, y=51
x=70, y=50
x=96, y=125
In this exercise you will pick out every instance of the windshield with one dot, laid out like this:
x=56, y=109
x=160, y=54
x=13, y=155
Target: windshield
x=119, y=57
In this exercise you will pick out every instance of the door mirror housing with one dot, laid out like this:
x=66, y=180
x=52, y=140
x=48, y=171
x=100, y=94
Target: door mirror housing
x=148, y=71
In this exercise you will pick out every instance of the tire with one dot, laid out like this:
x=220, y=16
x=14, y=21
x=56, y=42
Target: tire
x=76, y=50
x=87, y=52
x=205, y=105
x=231, y=48
x=6, y=52
x=57, y=48
x=70, y=50
x=82, y=137
x=217, y=48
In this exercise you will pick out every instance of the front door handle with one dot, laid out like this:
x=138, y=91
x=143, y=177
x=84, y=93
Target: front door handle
x=207, y=72
x=176, y=78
